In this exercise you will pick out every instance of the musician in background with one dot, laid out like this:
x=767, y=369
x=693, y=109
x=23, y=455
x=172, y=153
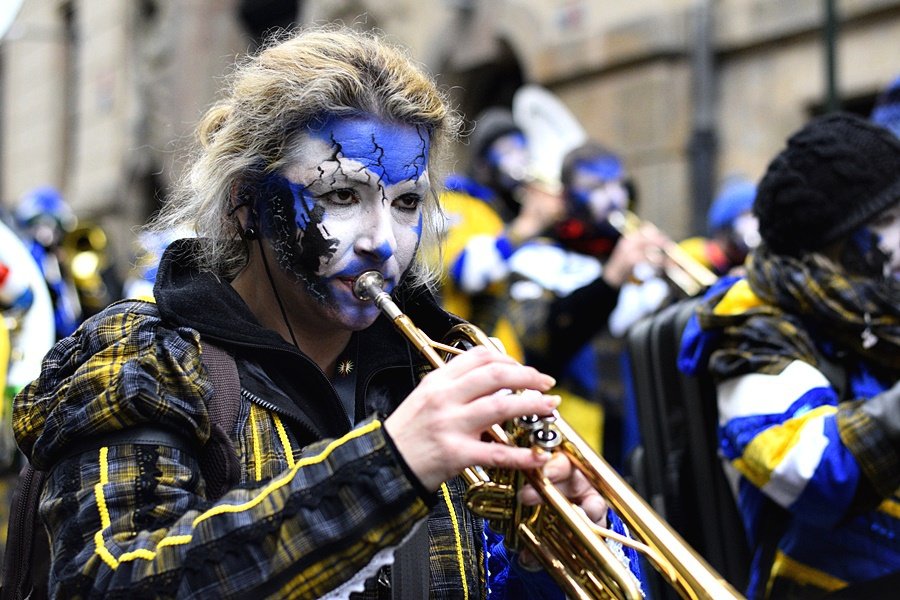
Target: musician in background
x=886, y=111
x=733, y=229
x=805, y=350
x=491, y=211
x=91, y=265
x=319, y=164
x=43, y=218
x=566, y=285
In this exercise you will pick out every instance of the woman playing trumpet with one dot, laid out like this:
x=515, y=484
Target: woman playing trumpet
x=318, y=165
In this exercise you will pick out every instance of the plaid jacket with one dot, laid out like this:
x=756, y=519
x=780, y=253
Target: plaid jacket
x=320, y=507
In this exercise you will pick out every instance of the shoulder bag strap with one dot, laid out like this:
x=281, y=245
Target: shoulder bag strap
x=218, y=459
x=224, y=405
x=410, y=575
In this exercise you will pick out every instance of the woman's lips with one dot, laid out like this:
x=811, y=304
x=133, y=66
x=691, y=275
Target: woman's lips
x=349, y=281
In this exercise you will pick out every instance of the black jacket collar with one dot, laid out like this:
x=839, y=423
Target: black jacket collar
x=202, y=301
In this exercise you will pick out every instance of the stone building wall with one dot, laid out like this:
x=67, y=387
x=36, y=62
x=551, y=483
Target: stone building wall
x=99, y=97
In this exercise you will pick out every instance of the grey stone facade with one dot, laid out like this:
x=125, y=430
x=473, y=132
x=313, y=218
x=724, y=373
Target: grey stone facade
x=98, y=97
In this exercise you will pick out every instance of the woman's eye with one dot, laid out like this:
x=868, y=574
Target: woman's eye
x=342, y=197
x=408, y=202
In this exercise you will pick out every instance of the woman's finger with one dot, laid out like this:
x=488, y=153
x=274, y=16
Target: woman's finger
x=500, y=407
x=493, y=454
x=487, y=378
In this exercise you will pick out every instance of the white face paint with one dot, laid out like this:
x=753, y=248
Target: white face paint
x=510, y=156
x=746, y=230
x=350, y=204
x=607, y=198
x=598, y=186
x=887, y=227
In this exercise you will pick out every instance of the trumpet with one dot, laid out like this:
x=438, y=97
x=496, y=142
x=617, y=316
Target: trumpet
x=564, y=540
x=682, y=270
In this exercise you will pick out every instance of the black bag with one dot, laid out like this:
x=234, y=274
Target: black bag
x=26, y=561
x=676, y=468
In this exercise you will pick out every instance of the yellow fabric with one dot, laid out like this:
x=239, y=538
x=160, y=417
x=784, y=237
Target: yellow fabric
x=505, y=333
x=789, y=568
x=445, y=492
x=4, y=367
x=285, y=442
x=696, y=249
x=890, y=507
x=768, y=449
x=257, y=445
x=274, y=485
x=738, y=300
x=585, y=417
x=467, y=217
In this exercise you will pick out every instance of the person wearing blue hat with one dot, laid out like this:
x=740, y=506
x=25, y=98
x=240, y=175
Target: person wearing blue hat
x=44, y=218
x=575, y=290
x=887, y=108
x=732, y=228
x=491, y=210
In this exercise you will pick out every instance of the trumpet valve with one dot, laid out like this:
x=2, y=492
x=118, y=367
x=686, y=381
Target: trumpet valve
x=546, y=436
x=492, y=500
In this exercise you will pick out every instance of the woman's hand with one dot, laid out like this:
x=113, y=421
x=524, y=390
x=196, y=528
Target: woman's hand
x=438, y=428
x=574, y=486
x=646, y=244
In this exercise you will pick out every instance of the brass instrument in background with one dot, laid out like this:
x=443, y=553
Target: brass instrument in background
x=86, y=260
x=681, y=269
x=558, y=533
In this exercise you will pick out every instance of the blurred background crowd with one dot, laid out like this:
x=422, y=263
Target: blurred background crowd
x=610, y=170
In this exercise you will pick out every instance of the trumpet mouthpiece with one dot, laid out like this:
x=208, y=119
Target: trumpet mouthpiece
x=368, y=285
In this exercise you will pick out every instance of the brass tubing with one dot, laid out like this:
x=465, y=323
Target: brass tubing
x=694, y=577
x=573, y=552
x=686, y=273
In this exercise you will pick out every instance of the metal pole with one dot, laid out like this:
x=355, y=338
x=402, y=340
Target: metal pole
x=830, y=31
x=704, y=139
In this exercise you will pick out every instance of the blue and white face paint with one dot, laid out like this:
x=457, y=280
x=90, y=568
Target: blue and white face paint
x=886, y=228
x=597, y=188
x=351, y=202
x=509, y=158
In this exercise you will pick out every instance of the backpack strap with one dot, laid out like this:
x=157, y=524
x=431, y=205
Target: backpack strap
x=27, y=554
x=218, y=459
x=225, y=403
x=410, y=575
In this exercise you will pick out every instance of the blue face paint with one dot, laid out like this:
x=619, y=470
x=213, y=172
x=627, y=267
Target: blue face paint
x=590, y=174
x=290, y=219
x=862, y=255
x=365, y=140
x=508, y=144
x=604, y=168
x=507, y=160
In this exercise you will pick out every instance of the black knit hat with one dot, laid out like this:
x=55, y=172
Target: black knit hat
x=836, y=173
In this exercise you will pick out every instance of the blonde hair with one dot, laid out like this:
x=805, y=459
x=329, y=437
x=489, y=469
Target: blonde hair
x=272, y=96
